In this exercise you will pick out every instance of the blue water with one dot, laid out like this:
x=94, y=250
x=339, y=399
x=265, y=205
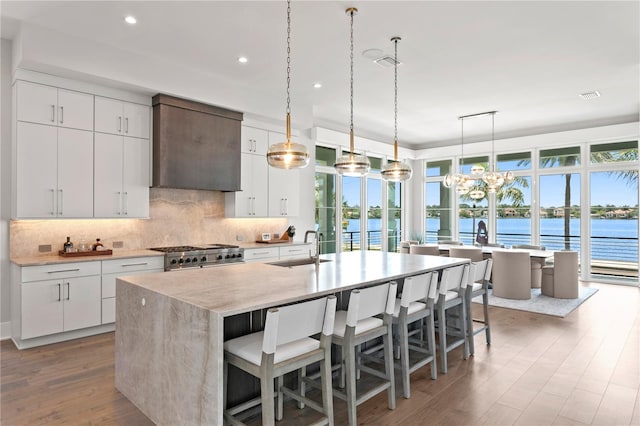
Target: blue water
x=611, y=239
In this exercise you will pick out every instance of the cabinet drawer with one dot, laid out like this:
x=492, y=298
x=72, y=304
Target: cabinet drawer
x=109, y=280
x=295, y=251
x=132, y=264
x=60, y=270
x=261, y=253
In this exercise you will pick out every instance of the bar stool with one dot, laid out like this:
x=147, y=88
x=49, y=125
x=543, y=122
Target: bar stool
x=451, y=295
x=478, y=285
x=416, y=305
x=356, y=326
x=285, y=345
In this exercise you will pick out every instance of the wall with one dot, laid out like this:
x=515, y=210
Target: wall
x=177, y=217
x=5, y=183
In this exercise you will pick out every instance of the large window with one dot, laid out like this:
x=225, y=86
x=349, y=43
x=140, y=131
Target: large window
x=473, y=207
x=325, y=191
x=438, y=203
x=394, y=214
x=513, y=200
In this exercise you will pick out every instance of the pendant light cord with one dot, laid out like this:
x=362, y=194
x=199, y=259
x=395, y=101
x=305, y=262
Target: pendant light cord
x=395, y=103
x=351, y=136
x=492, y=159
x=461, y=162
x=288, y=72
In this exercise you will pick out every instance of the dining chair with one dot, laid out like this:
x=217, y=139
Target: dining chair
x=561, y=279
x=426, y=249
x=536, y=266
x=285, y=345
x=450, y=242
x=528, y=247
x=478, y=285
x=511, y=277
x=452, y=301
x=467, y=252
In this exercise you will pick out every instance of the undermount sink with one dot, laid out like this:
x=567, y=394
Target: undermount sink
x=297, y=262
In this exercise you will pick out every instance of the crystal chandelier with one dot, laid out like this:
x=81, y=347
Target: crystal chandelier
x=396, y=171
x=352, y=164
x=493, y=179
x=288, y=155
x=462, y=183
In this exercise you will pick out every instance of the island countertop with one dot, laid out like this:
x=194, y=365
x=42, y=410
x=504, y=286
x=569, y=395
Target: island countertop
x=170, y=326
x=239, y=288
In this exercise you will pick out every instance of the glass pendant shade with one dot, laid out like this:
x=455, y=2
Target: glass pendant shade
x=288, y=155
x=476, y=194
x=396, y=171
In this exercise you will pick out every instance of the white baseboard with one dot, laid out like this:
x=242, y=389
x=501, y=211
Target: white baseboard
x=5, y=330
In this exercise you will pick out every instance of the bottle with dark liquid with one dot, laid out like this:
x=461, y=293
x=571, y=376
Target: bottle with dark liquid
x=68, y=245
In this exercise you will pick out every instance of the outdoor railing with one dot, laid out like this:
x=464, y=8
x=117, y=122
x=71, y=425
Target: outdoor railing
x=351, y=240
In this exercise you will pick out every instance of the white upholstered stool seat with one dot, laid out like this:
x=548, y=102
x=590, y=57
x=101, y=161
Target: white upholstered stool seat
x=362, y=325
x=249, y=347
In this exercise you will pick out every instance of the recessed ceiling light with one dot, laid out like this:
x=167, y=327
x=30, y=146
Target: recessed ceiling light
x=317, y=85
x=243, y=59
x=130, y=19
x=590, y=95
x=372, y=53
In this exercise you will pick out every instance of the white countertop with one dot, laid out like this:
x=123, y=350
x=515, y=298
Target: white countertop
x=237, y=288
x=52, y=259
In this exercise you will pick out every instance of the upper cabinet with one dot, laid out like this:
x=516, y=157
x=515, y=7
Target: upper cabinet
x=62, y=167
x=254, y=141
x=122, y=118
x=284, y=186
x=42, y=104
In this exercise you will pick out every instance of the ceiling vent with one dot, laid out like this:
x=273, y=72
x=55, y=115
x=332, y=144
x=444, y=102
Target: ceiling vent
x=590, y=95
x=387, y=61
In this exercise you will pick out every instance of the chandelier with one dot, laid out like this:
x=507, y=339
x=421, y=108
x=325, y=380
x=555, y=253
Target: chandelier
x=288, y=155
x=352, y=164
x=493, y=179
x=396, y=171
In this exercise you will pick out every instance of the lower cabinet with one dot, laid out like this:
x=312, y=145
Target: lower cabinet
x=281, y=252
x=68, y=302
x=112, y=269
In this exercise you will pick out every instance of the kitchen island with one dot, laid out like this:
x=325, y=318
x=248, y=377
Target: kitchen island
x=170, y=327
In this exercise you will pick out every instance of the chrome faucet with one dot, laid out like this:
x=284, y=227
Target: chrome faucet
x=316, y=256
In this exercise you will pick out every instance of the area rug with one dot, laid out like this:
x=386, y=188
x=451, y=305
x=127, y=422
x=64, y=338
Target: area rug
x=541, y=304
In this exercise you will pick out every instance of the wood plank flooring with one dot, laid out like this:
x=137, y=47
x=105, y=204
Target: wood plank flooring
x=540, y=370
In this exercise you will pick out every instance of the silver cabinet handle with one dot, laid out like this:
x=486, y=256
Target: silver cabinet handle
x=248, y=205
x=61, y=115
x=59, y=292
x=53, y=113
x=68, y=291
x=119, y=212
x=63, y=270
x=126, y=125
x=254, y=206
x=286, y=207
x=53, y=202
x=60, y=201
x=125, y=203
x=119, y=124
x=134, y=264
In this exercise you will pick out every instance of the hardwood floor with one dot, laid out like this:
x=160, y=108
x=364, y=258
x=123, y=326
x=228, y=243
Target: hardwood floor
x=540, y=370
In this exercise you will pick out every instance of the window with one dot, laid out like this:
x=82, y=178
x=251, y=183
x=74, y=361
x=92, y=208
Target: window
x=560, y=157
x=513, y=210
x=614, y=152
x=515, y=161
x=325, y=189
x=394, y=212
x=325, y=156
x=351, y=213
x=438, y=202
x=374, y=213
x=560, y=211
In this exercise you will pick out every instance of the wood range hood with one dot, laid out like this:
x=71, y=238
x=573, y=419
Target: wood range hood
x=195, y=145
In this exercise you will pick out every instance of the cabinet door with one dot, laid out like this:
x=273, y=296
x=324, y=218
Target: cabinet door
x=259, y=185
x=41, y=308
x=136, y=120
x=254, y=140
x=36, y=186
x=284, y=186
x=36, y=103
x=75, y=173
x=135, y=202
x=107, y=199
x=108, y=116
x=75, y=110
x=82, y=302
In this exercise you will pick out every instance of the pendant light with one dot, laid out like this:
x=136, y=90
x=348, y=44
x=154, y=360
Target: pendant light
x=460, y=181
x=288, y=155
x=396, y=171
x=352, y=164
x=493, y=179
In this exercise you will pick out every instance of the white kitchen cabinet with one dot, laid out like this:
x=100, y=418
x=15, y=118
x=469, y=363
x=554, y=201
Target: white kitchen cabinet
x=122, y=118
x=59, y=298
x=254, y=141
x=261, y=254
x=252, y=200
x=295, y=251
x=114, y=268
x=121, y=176
x=39, y=103
x=284, y=187
x=54, y=172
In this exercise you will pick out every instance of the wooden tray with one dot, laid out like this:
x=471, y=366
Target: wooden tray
x=86, y=253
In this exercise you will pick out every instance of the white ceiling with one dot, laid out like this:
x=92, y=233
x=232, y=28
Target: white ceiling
x=528, y=60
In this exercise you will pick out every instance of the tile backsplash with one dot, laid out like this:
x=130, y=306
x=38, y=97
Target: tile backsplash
x=177, y=217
